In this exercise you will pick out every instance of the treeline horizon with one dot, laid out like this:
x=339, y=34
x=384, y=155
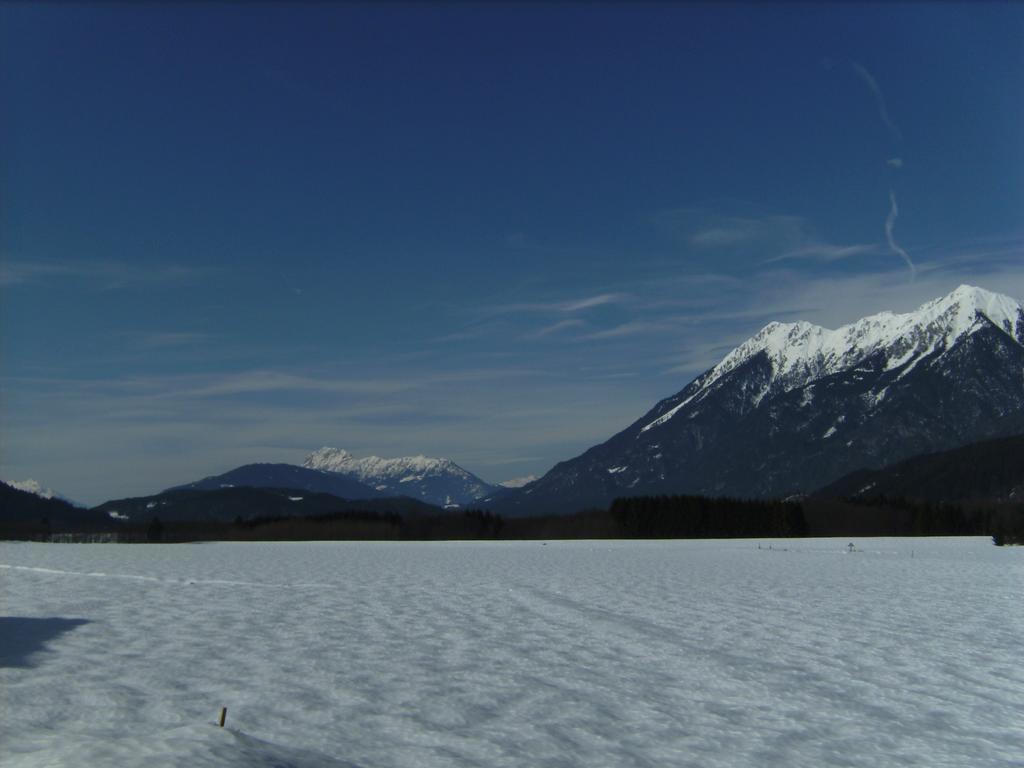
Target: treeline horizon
x=639, y=517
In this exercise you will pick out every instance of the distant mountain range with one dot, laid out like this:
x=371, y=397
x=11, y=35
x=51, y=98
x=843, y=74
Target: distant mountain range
x=440, y=482
x=795, y=408
x=436, y=481
x=992, y=470
x=798, y=406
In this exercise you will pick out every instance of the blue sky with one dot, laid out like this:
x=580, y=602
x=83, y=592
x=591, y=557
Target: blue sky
x=500, y=233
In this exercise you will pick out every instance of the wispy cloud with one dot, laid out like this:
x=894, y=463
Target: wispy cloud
x=883, y=111
x=892, y=162
x=592, y=301
x=466, y=334
x=632, y=328
x=826, y=252
x=179, y=387
x=561, y=325
x=890, y=225
x=789, y=237
x=174, y=339
x=103, y=274
x=13, y=272
x=562, y=306
x=729, y=231
x=715, y=237
x=985, y=252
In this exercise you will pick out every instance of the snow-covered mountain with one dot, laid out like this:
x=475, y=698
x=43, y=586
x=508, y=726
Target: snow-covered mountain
x=436, y=481
x=797, y=406
x=31, y=486
x=37, y=489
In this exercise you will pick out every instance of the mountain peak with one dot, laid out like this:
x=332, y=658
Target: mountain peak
x=327, y=455
x=979, y=297
x=31, y=486
x=437, y=480
x=809, y=350
x=961, y=307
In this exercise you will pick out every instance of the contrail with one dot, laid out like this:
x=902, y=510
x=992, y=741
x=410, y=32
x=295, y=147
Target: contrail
x=872, y=84
x=890, y=224
x=892, y=162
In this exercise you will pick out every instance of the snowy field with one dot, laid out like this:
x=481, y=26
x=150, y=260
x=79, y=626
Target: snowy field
x=713, y=653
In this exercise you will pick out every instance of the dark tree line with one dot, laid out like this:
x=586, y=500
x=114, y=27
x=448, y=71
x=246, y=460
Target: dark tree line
x=699, y=517
x=343, y=525
x=644, y=517
x=916, y=517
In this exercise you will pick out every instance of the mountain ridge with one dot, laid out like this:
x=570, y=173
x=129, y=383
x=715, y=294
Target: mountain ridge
x=434, y=480
x=269, y=475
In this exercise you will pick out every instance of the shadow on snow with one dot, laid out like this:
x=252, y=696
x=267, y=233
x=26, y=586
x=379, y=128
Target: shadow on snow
x=21, y=638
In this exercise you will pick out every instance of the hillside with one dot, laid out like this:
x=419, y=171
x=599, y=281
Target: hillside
x=23, y=513
x=991, y=470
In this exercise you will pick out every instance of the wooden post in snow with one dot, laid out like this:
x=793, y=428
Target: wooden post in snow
x=223, y=715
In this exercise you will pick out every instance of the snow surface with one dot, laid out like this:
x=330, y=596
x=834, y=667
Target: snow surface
x=802, y=352
x=694, y=653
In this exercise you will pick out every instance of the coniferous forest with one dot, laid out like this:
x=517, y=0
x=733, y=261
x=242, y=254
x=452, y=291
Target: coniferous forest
x=640, y=517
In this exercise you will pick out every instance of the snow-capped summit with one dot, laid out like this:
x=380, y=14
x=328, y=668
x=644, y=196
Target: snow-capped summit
x=801, y=352
x=37, y=489
x=31, y=486
x=813, y=350
x=437, y=481
x=796, y=406
x=374, y=467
